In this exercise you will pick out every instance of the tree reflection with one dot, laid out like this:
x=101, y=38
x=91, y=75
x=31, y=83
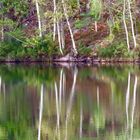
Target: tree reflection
x=40, y=111
x=133, y=106
x=130, y=120
x=81, y=120
x=78, y=103
x=69, y=106
x=127, y=101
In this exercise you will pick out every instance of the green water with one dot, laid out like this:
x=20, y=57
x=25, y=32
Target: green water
x=70, y=102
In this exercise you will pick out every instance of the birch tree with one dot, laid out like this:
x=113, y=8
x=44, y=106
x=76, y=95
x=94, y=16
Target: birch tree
x=56, y=26
x=38, y=17
x=69, y=26
x=132, y=23
x=62, y=34
x=59, y=37
x=125, y=25
x=54, y=20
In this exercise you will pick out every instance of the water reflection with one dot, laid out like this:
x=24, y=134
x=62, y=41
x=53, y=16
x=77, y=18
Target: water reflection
x=40, y=110
x=69, y=103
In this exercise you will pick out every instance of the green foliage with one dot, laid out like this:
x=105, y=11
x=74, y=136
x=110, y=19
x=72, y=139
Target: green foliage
x=7, y=23
x=84, y=51
x=16, y=34
x=116, y=50
x=73, y=3
x=96, y=9
x=9, y=49
x=120, y=50
x=15, y=48
x=106, y=52
x=12, y=45
x=81, y=23
x=41, y=46
x=18, y=7
x=136, y=52
x=116, y=26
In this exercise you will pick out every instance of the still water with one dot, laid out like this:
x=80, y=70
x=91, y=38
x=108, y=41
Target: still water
x=69, y=102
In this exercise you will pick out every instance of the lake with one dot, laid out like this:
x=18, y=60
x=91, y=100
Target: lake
x=69, y=102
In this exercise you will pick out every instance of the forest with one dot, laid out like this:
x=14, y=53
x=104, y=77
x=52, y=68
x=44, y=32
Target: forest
x=70, y=30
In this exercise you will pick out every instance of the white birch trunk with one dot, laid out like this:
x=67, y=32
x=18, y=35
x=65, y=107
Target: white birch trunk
x=69, y=26
x=59, y=37
x=96, y=27
x=54, y=20
x=38, y=18
x=56, y=26
x=132, y=24
x=62, y=35
x=125, y=25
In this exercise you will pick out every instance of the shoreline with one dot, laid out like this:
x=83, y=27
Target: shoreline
x=75, y=60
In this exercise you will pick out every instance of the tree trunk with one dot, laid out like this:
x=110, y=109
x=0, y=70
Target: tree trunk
x=96, y=27
x=62, y=35
x=54, y=20
x=59, y=37
x=132, y=24
x=125, y=25
x=70, y=30
x=38, y=18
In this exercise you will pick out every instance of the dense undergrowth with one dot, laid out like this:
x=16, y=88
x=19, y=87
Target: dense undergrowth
x=37, y=48
x=32, y=48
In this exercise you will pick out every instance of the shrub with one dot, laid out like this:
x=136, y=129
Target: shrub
x=106, y=52
x=84, y=51
x=9, y=49
x=81, y=23
x=137, y=52
x=73, y=4
x=116, y=50
x=32, y=48
x=41, y=46
x=96, y=9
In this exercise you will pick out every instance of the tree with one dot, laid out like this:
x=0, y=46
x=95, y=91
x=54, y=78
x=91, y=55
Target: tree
x=38, y=17
x=69, y=26
x=95, y=11
x=125, y=25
